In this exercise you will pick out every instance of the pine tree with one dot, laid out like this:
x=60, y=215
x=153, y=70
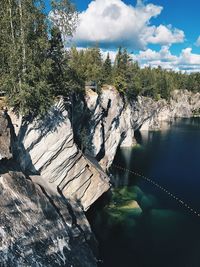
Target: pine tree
x=93, y=65
x=121, y=65
x=118, y=60
x=77, y=63
x=107, y=70
x=133, y=78
x=58, y=66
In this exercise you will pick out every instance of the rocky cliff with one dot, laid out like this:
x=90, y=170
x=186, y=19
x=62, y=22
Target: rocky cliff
x=38, y=228
x=47, y=151
x=112, y=120
x=50, y=181
x=182, y=104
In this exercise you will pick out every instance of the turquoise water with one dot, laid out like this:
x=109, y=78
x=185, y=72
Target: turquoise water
x=159, y=232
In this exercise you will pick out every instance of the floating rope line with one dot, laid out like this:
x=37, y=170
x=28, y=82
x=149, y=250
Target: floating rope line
x=180, y=201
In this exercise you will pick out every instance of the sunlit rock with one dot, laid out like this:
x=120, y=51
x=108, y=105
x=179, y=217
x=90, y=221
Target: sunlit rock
x=47, y=148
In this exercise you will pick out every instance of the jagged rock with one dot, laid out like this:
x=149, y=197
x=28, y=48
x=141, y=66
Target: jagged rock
x=113, y=121
x=108, y=126
x=46, y=147
x=39, y=230
x=181, y=105
x=5, y=138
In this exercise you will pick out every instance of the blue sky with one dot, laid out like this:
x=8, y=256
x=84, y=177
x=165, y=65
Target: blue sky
x=159, y=32
x=183, y=14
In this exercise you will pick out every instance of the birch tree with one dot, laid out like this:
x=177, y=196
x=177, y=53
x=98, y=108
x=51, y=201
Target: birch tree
x=25, y=65
x=24, y=47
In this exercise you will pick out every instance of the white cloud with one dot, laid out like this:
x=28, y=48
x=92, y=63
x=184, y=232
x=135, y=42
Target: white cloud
x=187, y=57
x=165, y=35
x=197, y=43
x=112, y=22
x=186, y=61
x=151, y=55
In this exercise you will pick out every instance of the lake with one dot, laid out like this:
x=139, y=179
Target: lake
x=160, y=231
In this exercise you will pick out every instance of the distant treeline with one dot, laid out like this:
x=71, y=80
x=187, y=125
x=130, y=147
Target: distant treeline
x=35, y=67
x=127, y=76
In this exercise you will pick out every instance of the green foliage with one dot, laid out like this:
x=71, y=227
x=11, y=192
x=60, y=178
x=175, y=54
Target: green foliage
x=193, y=82
x=62, y=78
x=87, y=64
x=120, y=83
x=107, y=70
x=126, y=75
x=120, y=70
x=157, y=83
x=93, y=65
x=24, y=46
x=33, y=68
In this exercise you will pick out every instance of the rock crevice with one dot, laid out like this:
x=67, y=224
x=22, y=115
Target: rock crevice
x=113, y=120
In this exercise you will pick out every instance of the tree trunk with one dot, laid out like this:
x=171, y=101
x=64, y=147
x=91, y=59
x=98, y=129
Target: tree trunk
x=22, y=38
x=11, y=22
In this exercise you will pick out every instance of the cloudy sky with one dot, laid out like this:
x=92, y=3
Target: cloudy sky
x=156, y=32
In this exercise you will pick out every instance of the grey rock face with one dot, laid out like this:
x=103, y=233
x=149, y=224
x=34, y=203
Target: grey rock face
x=47, y=148
x=113, y=121
x=38, y=230
x=5, y=138
x=181, y=105
x=107, y=126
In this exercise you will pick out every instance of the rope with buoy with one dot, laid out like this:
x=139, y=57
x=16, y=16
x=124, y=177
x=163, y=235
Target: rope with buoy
x=151, y=181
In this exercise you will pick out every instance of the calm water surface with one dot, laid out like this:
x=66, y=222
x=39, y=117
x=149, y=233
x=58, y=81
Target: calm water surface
x=159, y=232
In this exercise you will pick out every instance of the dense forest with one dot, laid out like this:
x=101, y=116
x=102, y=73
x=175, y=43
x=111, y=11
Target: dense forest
x=36, y=66
x=127, y=76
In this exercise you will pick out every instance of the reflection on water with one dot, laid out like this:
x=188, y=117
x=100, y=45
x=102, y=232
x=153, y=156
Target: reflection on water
x=141, y=226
